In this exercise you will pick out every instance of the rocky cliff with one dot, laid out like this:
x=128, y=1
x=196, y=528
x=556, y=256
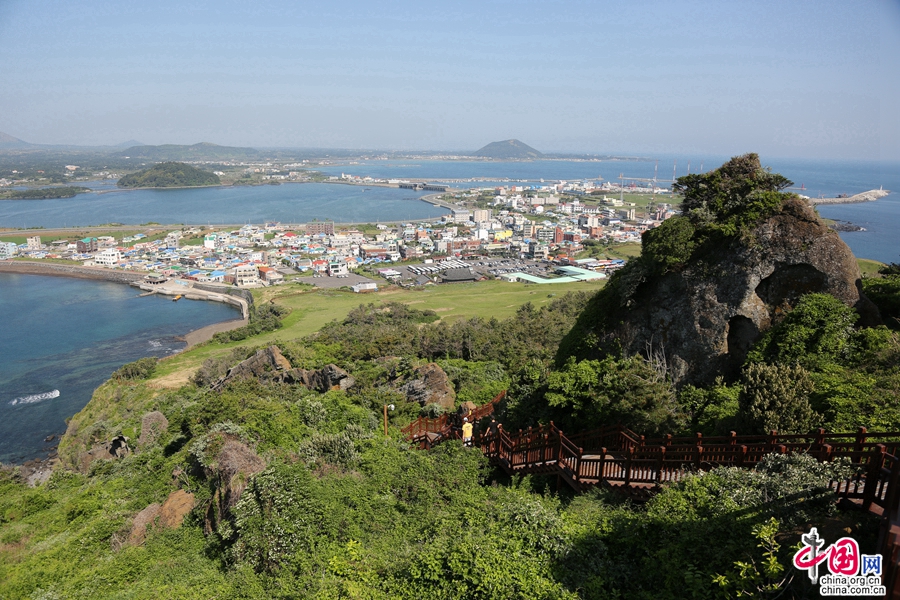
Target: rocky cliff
x=710, y=282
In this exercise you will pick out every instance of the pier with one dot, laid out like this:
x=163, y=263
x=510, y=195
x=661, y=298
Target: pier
x=187, y=289
x=869, y=196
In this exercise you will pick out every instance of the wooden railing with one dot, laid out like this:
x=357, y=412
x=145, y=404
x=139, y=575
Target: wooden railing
x=426, y=432
x=618, y=458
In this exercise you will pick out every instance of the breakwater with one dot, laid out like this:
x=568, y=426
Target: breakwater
x=193, y=291
x=78, y=271
x=434, y=199
x=869, y=196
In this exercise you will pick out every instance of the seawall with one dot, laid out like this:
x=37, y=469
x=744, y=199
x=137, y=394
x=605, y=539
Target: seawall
x=193, y=291
x=58, y=270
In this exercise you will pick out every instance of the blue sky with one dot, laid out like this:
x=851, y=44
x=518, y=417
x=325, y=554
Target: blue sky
x=815, y=79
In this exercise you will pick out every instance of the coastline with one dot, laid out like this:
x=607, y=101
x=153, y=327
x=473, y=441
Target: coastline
x=204, y=334
x=191, y=338
x=76, y=271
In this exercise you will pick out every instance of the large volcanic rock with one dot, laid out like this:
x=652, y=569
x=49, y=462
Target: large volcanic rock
x=703, y=317
x=430, y=385
x=269, y=364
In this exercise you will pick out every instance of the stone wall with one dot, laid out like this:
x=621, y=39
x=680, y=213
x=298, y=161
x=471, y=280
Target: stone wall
x=59, y=270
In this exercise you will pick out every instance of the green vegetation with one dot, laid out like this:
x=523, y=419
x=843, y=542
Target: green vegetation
x=884, y=291
x=169, y=174
x=869, y=268
x=67, y=191
x=140, y=369
x=297, y=493
x=201, y=151
x=262, y=319
x=338, y=510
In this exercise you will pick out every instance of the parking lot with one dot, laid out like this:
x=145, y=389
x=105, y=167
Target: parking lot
x=326, y=282
x=492, y=266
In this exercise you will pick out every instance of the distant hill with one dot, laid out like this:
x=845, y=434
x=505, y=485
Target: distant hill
x=169, y=174
x=10, y=142
x=130, y=144
x=508, y=149
x=201, y=151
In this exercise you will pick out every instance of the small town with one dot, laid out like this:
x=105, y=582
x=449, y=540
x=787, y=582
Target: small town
x=523, y=232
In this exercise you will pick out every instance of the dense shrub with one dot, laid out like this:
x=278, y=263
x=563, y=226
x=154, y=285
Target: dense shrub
x=776, y=397
x=884, y=291
x=264, y=317
x=142, y=368
x=590, y=394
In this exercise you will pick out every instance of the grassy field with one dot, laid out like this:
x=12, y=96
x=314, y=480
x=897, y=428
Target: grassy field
x=869, y=268
x=153, y=233
x=310, y=309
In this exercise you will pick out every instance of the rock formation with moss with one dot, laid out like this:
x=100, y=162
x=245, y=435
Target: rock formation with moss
x=710, y=281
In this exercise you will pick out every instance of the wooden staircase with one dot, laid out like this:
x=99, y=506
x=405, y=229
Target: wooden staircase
x=619, y=459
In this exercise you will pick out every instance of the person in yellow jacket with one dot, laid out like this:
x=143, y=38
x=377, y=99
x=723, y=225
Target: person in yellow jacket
x=467, y=431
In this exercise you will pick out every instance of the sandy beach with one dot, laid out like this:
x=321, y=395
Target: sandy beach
x=204, y=334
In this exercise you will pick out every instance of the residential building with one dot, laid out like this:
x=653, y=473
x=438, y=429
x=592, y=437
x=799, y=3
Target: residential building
x=270, y=275
x=88, y=244
x=108, y=258
x=8, y=250
x=337, y=267
x=320, y=227
x=246, y=275
x=34, y=243
x=481, y=215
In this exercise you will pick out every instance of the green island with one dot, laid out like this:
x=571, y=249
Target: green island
x=68, y=191
x=256, y=465
x=169, y=174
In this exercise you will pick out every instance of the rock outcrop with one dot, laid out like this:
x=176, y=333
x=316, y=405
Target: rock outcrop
x=329, y=377
x=168, y=515
x=430, y=386
x=153, y=425
x=269, y=364
x=230, y=471
x=264, y=363
x=700, y=318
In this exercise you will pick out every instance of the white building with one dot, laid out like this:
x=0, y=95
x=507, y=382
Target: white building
x=8, y=250
x=366, y=286
x=246, y=275
x=34, y=243
x=107, y=258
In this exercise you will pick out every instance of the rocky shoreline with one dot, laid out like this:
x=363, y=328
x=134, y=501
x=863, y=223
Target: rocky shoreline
x=845, y=226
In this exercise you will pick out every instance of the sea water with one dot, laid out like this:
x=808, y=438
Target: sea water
x=813, y=178
x=61, y=338
x=286, y=203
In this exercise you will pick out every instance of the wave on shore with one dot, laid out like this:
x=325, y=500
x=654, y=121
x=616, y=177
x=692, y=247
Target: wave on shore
x=35, y=398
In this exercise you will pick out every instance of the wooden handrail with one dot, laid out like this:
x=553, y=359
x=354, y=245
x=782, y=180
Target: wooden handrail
x=617, y=457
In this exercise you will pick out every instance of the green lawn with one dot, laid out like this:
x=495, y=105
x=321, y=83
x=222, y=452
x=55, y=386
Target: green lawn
x=312, y=309
x=869, y=268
